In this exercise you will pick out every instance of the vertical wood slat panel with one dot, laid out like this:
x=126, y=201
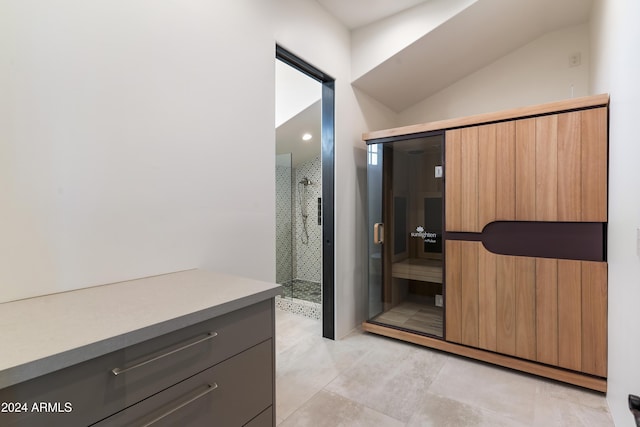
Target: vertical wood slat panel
x=470, y=293
x=546, y=169
x=506, y=171
x=594, y=318
x=526, y=170
x=569, y=169
x=506, y=305
x=570, y=314
x=486, y=175
x=525, y=307
x=453, y=299
x=453, y=172
x=547, y=310
x=487, y=299
x=469, y=179
x=594, y=165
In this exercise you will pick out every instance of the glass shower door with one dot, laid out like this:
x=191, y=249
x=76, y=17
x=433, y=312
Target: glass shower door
x=284, y=228
x=405, y=189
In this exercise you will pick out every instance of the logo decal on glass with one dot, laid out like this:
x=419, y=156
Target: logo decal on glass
x=427, y=237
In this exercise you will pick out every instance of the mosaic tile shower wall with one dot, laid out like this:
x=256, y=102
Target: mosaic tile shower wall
x=298, y=260
x=284, y=249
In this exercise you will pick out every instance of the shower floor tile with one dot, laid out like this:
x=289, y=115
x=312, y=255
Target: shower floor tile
x=303, y=289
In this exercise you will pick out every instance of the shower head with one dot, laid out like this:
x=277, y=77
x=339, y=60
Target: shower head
x=305, y=181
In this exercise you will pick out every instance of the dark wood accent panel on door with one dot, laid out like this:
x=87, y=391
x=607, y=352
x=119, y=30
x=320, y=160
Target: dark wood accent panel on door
x=563, y=240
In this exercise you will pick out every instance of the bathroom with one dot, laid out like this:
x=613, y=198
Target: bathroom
x=298, y=192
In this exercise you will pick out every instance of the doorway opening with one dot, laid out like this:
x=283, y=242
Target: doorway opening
x=305, y=187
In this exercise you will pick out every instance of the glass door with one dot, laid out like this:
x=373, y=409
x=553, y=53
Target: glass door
x=405, y=189
x=375, y=227
x=284, y=224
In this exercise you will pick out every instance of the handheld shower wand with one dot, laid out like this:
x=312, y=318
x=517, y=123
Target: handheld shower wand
x=302, y=199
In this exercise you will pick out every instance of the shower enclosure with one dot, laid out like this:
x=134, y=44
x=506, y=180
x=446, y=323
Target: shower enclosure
x=299, y=240
x=298, y=228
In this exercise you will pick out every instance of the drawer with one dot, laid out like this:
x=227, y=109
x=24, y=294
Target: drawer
x=265, y=419
x=92, y=392
x=236, y=392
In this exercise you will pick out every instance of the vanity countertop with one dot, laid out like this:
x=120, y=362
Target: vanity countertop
x=43, y=334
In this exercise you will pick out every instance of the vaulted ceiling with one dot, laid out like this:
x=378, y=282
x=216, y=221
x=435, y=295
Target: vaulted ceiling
x=478, y=33
x=462, y=44
x=357, y=13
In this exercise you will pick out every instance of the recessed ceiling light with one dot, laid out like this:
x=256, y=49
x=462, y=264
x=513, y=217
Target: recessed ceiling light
x=307, y=136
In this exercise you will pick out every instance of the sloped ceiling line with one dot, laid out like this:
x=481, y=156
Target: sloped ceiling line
x=473, y=38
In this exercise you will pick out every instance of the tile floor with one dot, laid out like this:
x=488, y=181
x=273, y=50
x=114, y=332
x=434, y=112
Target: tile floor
x=303, y=289
x=373, y=381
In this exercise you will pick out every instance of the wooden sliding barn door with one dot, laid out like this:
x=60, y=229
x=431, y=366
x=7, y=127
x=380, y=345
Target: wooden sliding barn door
x=551, y=168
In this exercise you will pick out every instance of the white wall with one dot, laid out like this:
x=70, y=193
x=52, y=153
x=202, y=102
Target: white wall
x=375, y=43
x=124, y=135
x=538, y=72
x=133, y=139
x=295, y=92
x=614, y=34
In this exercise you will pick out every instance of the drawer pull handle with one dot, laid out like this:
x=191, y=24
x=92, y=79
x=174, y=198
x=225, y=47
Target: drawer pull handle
x=118, y=371
x=209, y=389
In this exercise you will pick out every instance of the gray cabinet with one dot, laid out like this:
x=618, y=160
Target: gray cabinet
x=217, y=372
x=230, y=393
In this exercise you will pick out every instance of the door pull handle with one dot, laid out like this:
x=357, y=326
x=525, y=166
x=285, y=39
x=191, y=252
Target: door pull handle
x=378, y=233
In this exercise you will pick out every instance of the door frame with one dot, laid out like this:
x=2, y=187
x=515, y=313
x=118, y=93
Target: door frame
x=328, y=182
